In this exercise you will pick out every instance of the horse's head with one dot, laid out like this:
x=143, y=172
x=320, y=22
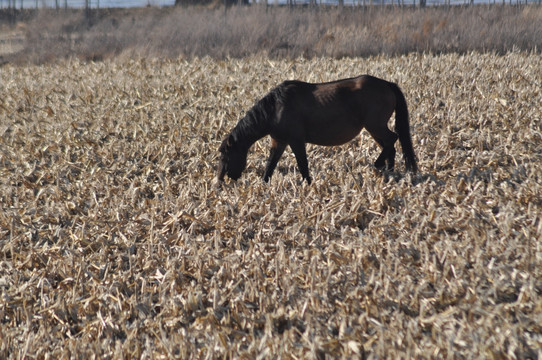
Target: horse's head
x=233, y=159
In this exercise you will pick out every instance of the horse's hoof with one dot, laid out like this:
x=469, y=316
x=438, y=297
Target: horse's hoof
x=380, y=166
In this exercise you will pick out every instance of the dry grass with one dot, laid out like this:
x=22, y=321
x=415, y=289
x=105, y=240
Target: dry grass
x=114, y=243
x=46, y=36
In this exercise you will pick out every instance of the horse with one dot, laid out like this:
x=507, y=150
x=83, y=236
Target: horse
x=295, y=113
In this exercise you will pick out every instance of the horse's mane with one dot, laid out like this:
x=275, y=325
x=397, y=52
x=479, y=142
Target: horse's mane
x=256, y=122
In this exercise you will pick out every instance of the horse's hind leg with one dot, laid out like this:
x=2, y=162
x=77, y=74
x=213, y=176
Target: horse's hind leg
x=301, y=156
x=386, y=139
x=391, y=157
x=277, y=148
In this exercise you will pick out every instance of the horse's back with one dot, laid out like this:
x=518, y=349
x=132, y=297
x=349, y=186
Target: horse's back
x=323, y=94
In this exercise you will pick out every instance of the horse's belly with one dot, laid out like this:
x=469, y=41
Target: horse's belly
x=336, y=134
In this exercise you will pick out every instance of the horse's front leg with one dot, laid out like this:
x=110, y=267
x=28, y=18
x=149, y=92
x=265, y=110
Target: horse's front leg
x=301, y=156
x=277, y=148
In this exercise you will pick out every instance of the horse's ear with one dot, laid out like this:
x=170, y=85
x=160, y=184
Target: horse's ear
x=221, y=171
x=224, y=145
x=227, y=144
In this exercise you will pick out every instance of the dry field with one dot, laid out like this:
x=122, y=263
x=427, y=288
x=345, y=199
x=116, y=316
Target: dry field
x=116, y=243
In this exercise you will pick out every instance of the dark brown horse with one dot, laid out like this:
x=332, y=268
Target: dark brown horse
x=295, y=113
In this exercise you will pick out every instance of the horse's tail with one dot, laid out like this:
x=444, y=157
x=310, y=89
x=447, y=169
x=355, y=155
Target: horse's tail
x=403, y=129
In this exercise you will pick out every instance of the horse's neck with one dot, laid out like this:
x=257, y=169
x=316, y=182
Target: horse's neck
x=250, y=129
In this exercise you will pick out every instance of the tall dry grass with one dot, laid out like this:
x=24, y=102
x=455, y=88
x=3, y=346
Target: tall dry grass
x=278, y=32
x=114, y=243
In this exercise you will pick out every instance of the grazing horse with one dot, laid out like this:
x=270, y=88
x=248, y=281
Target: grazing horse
x=295, y=113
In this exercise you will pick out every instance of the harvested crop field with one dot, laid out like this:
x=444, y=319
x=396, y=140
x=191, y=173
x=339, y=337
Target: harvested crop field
x=115, y=241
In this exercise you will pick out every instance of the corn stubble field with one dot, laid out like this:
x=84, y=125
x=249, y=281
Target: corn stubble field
x=116, y=242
